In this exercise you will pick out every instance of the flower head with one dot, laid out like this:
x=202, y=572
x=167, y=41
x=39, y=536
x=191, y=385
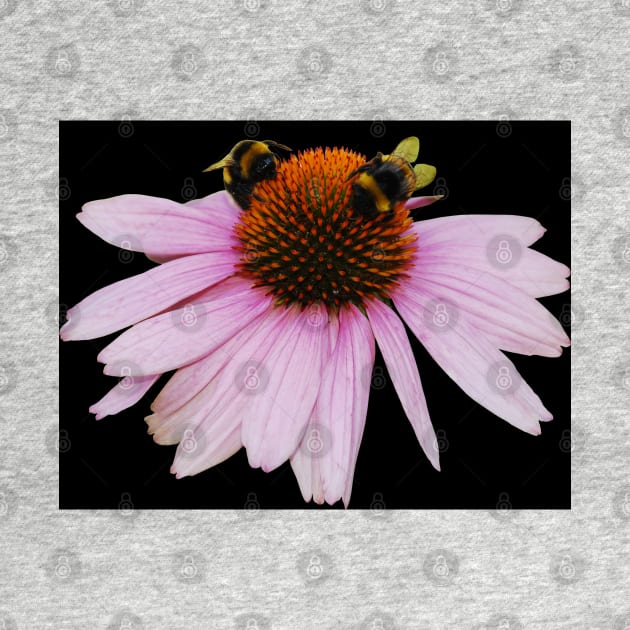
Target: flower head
x=270, y=316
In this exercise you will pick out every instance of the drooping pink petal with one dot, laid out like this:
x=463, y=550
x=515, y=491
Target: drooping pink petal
x=191, y=379
x=272, y=429
x=421, y=202
x=339, y=414
x=127, y=392
x=161, y=228
x=131, y=300
x=182, y=336
x=507, y=316
x=398, y=356
x=306, y=459
x=532, y=272
x=234, y=393
x=475, y=364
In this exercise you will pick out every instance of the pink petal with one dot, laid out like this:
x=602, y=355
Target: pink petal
x=127, y=392
x=220, y=407
x=210, y=201
x=421, y=202
x=161, y=228
x=394, y=344
x=511, y=319
x=272, y=429
x=475, y=364
x=178, y=406
x=305, y=462
x=339, y=415
x=184, y=335
x=191, y=379
x=131, y=300
x=468, y=228
x=532, y=272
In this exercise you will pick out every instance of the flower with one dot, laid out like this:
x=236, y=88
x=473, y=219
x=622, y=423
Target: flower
x=270, y=318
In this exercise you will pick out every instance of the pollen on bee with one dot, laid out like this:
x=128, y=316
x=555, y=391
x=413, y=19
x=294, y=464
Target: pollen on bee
x=311, y=245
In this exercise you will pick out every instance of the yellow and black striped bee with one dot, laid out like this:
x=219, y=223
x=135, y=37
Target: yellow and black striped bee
x=249, y=162
x=387, y=180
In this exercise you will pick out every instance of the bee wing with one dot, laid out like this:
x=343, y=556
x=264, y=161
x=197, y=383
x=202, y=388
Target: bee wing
x=425, y=174
x=408, y=149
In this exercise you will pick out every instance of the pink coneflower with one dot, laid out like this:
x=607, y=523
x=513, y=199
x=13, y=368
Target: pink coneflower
x=270, y=318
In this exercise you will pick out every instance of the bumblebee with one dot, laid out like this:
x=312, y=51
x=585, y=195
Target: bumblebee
x=387, y=180
x=249, y=162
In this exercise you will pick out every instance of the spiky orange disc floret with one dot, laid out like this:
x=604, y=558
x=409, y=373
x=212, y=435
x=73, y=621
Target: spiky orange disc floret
x=301, y=237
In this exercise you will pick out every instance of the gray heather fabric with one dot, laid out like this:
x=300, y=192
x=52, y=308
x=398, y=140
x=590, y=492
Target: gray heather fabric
x=256, y=59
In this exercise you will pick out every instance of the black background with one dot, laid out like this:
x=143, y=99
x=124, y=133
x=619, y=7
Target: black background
x=486, y=167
